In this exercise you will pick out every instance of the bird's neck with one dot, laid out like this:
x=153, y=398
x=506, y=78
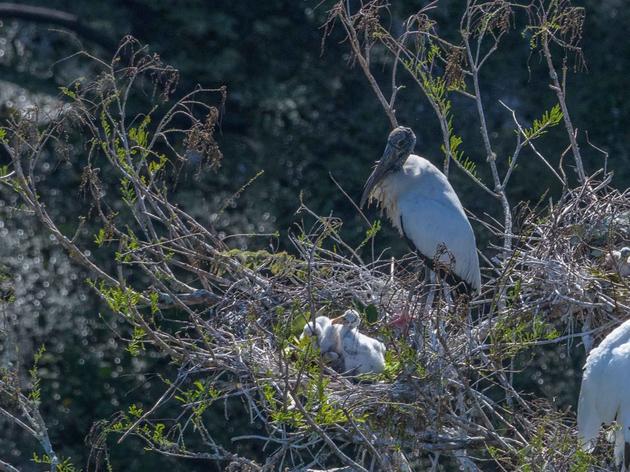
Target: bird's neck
x=349, y=330
x=387, y=193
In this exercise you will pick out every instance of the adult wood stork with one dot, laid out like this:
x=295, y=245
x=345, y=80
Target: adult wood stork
x=360, y=353
x=605, y=393
x=422, y=205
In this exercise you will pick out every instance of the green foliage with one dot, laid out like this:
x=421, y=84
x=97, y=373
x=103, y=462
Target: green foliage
x=152, y=433
x=371, y=232
x=269, y=69
x=436, y=90
x=64, y=465
x=457, y=154
x=35, y=394
x=107, y=129
x=136, y=342
x=120, y=300
x=298, y=321
x=7, y=290
x=371, y=314
x=139, y=135
x=548, y=445
x=516, y=333
x=582, y=461
x=154, y=297
x=368, y=312
x=99, y=239
x=314, y=399
x=68, y=93
x=199, y=397
x=549, y=119
x=156, y=166
x=130, y=243
x=127, y=191
x=135, y=411
x=280, y=264
x=158, y=433
x=403, y=358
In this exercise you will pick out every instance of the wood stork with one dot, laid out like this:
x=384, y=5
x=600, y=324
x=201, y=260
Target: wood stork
x=604, y=395
x=360, y=353
x=327, y=337
x=619, y=260
x=422, y=205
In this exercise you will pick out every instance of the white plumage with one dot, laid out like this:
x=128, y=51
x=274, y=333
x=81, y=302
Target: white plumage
x=619, y=261
x=605, y=393
x=327, y=336
x=422, y=205
x=360, y=353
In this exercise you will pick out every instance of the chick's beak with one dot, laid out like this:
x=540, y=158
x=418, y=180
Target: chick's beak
x=339, y=320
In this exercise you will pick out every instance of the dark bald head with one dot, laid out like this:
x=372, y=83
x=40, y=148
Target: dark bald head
x=400, y=143
x=402, y=139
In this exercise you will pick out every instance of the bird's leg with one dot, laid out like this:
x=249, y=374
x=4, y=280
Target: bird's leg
x=448, y=298
x=434, y=328
x=403, y=320
x=428, y=289
x=435, y=459
x=447, y=290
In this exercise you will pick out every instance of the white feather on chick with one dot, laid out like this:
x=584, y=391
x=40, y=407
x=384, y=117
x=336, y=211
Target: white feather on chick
x=619, y=260
x=326, y=335
x=360, y=353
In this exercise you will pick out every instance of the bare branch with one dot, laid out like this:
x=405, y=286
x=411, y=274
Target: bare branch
x=56, y=17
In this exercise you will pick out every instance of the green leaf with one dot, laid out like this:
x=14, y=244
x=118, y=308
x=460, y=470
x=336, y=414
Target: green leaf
x=549, y=119
x=99, y=239
x=69, y=93
x=371, y=314
x=358, y=304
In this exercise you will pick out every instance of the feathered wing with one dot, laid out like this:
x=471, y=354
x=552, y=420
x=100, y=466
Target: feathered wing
x=588, y=418
x=330, y=340
x=315, y=329
x=350, y=343
x=422, y=204
x=619, y=367
x=604, y=391
x=362, y=354
x=428, y=223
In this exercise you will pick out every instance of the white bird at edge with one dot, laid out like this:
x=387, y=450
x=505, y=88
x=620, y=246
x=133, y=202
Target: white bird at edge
x=360, y=353
x=619, y=260
x=605, y=394
x=422, y=205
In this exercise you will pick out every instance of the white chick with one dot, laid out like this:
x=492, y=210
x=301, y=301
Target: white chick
x=360, y=353
x=619, y=261
x=326, y=335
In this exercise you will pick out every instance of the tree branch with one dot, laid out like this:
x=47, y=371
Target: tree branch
x=58, y=18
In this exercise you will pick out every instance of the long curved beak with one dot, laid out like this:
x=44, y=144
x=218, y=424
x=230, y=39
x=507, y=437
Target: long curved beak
x=338, y=320
x=383, y=166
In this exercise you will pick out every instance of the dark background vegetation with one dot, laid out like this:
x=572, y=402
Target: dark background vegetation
x=299, y=112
